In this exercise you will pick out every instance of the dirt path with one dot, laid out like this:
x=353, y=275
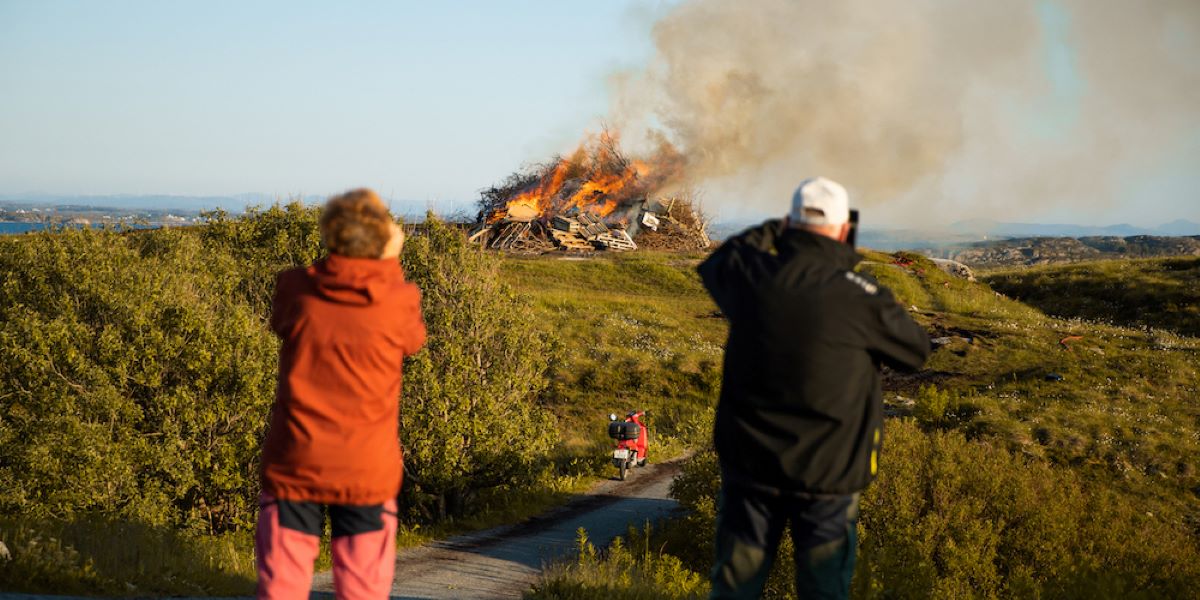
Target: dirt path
x=504, y=562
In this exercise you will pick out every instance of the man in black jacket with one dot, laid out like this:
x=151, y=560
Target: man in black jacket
x=799, y=424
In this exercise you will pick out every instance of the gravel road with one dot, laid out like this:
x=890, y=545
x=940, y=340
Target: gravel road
x=505, y=562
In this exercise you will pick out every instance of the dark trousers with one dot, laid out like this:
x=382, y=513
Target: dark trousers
x=750, y=524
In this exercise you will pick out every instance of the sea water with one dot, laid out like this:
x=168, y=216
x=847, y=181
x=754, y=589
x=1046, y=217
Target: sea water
x=7, y=227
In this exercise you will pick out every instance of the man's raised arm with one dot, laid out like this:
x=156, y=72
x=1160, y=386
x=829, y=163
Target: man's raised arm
x=895, y=338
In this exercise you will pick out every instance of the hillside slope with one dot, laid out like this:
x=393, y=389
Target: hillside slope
x=1062, y=250
x=1034, y=456
x=1162, y=293
x=636, y=331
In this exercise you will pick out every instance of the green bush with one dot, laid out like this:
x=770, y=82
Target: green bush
x=949, y=517
x=92, y=556
x=139, y=372
x=954, y=518
x=135, y=383
x=932, y=404
x=264, y=242
x=468, y=415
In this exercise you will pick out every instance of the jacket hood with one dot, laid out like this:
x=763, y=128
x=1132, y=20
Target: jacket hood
x=800, y=242
x=356, y=281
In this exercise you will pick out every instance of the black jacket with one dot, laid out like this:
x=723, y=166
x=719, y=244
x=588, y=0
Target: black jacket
x=801, y=408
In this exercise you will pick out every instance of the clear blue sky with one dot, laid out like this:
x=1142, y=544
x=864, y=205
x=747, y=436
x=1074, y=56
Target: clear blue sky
x=424, y=101
x=428, y=101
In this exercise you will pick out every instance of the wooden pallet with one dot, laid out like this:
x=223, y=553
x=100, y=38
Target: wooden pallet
x=618, y=240
x=570, y=241
x=509, y=235
x=567, y=224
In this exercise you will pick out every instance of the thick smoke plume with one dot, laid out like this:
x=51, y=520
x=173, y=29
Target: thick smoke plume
x=927, y=107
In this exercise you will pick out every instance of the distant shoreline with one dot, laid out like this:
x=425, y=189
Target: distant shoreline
x=19, y=227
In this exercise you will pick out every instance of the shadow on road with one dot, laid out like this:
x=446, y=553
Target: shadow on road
x=602, y=524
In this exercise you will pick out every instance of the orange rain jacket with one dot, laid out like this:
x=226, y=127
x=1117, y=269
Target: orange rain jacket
x=346, y=325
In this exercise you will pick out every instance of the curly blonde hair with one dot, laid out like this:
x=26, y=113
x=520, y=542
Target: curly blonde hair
x=356, y=224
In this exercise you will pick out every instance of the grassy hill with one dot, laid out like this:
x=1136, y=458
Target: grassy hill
x=1161, y=293
x=1125, y=402
x=1051, y=447
x=636, y=331
x=1034, y=456
x=1062, y=250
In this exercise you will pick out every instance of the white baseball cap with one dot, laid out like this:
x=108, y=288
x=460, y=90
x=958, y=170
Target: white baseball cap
x=820, y=201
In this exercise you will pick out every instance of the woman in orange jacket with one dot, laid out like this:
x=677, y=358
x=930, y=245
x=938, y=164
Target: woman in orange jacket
x=346, y=323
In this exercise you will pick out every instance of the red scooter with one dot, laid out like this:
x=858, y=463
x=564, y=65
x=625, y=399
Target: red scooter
x=631, y=439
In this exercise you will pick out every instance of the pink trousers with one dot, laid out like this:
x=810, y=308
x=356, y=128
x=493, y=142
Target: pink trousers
x=288, y=539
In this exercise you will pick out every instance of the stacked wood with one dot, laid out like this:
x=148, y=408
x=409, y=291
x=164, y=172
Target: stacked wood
x=616, y=239
x=513, y=236
x=586, y=231
x=562, y=223
x=677, y=227
x=570, y=241
x=596, y=198
x=590, y=226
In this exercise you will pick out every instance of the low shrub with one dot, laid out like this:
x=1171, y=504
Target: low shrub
x=629, y=569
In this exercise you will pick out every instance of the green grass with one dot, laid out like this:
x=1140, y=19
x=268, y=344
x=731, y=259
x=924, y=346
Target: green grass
x=92, y=557
x=1160, y=293
x=637, y=331
x=949, y=517
x=1125, y=405
x=507, y=505
x=123, y=559
x=633, y=572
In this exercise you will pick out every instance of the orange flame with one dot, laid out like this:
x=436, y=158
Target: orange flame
x=594, y=178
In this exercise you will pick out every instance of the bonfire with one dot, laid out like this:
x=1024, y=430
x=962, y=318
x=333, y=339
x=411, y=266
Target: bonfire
x=593, y=200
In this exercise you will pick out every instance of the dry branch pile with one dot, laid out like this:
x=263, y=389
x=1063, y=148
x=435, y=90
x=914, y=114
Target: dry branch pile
x=681, y=227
